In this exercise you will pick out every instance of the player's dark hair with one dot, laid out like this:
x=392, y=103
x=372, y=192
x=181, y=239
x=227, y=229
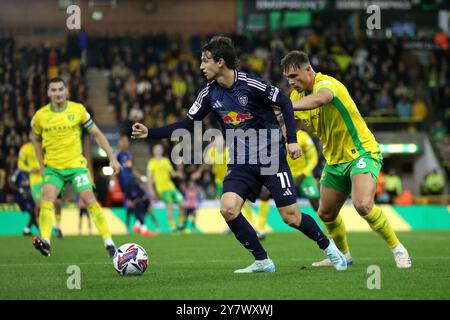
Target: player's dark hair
x=294, y=59
x=222, y=47
x=57, y=79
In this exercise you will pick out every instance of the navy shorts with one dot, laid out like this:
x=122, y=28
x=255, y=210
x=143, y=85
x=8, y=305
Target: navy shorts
x=246, y=181
x=133, y=190
x=24, y=201
x=141, y=207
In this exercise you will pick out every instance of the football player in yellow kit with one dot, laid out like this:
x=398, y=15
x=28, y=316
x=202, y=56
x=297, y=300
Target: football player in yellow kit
x=160, y=172
x=353, y=157
x=28, y=162
x=57, y=143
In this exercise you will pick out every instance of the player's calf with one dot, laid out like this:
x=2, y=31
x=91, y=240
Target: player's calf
x=305, y=224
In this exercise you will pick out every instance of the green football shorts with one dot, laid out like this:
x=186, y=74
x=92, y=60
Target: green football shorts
x=339, y=176
x=172, y=196
x=308, y=188
x=78, y=177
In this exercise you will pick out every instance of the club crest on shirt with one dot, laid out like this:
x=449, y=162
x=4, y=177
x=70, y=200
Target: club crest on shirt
x=70, y=117
x=243, y=100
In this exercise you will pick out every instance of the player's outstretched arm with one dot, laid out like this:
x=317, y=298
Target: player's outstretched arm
x=104, y=144
x=313, y=101
x=139, y=131
x=288, y=115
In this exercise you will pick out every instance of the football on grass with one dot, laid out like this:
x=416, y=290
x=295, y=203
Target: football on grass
x=130, y=259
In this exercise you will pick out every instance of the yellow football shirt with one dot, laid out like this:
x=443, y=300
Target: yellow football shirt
x=219, y=160
x=61, y=134
x=309, y=159
x=160, y=170
x=338, y=124
x=27, y=162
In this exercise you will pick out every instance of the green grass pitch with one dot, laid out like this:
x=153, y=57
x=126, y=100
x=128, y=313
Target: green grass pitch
x=195, y=266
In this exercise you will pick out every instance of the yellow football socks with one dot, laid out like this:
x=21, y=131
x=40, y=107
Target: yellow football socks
x=99, y=220
x=263, y=213
x=46, y=219
x=248, y=212
x=336, y=231
x=379, y=223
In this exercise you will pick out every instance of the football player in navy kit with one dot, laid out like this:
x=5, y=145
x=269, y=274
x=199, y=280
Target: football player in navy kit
x=243, y=105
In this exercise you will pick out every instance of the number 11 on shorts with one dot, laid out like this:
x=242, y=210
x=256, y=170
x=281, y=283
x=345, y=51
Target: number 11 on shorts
x=284, y=179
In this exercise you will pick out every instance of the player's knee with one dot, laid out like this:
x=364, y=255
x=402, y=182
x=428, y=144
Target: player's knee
x=291, y=218
x=228, y=212
x=363, y=206
x=88, y=198
x=326, y=215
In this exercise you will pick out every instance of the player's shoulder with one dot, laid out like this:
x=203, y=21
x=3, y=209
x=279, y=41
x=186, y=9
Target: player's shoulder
x=75, y=106
x=208, y=86
x=42, y=110
x=324, y=79
x=165, y=160
x=251, y=80
x=23, y=148
x=321, y=77
x=27, y=146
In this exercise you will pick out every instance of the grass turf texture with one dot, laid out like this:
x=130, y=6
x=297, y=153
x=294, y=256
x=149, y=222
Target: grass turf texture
x=199, y=266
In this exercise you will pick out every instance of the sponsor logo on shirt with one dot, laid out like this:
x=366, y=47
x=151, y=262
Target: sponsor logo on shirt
x=235, y=118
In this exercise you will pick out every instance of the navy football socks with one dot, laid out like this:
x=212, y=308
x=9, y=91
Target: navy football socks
x=311, y=229
x=247, y=236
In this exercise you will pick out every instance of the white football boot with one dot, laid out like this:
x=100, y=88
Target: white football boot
x=402, y=258
x=265, y=265
x=327, y=262
x=336, y=257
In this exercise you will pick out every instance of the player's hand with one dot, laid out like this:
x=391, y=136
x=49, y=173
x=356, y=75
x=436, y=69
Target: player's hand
x=139, y=131
x=294, y=150
x=35, y=170
x=113, y=163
